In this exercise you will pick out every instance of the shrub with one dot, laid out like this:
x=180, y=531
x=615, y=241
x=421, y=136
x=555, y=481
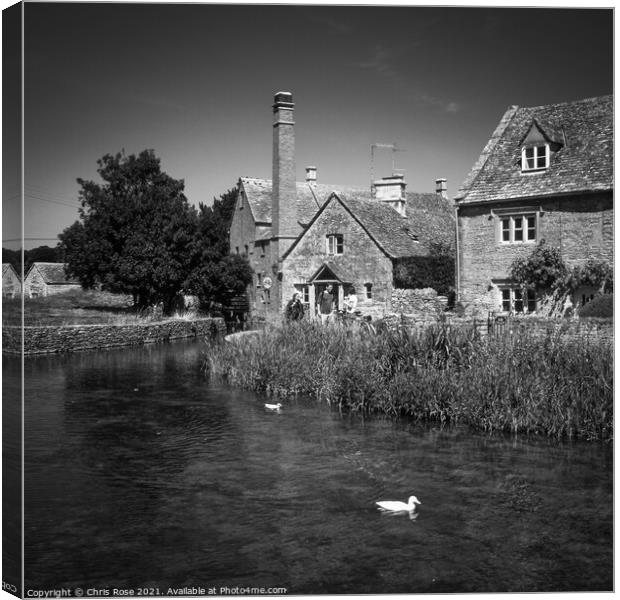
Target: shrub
x=542, y=270
x=437, y=270
x=601, y=306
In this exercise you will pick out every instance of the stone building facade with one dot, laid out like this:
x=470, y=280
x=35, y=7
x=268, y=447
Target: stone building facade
x=302, y=236
x=545, y=174
x=11, y=281
x=46, y=279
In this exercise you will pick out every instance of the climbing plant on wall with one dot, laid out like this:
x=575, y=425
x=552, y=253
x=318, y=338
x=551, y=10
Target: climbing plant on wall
x=437, y=270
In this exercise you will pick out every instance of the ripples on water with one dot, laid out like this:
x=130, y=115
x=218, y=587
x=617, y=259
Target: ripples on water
x=141, y=473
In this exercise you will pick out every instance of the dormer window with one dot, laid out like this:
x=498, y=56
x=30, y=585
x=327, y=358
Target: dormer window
x=535, y=158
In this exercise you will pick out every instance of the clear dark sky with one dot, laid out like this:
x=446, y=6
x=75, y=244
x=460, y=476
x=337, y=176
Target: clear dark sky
x=195, y=82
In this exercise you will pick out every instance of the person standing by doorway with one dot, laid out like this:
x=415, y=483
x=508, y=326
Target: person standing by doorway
x=325, y=304
x=294, y=309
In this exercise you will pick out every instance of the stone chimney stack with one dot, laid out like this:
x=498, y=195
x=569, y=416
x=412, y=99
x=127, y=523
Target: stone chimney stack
x=391, y=190
x=441, y=187
x=311, y=174
x=284, y=191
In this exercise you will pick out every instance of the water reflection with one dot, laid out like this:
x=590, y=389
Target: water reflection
x=140, y=473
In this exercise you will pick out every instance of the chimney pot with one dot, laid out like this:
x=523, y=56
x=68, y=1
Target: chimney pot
x=441, y=187
x=282, y=100
x=311, y=174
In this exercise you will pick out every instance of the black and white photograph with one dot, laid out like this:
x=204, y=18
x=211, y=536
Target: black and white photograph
x=307, y=299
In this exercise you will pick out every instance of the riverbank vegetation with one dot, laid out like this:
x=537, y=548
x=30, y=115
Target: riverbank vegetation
x=529, y=382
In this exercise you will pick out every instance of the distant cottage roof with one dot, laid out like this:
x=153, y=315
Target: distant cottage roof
x=52, y=273
x=583, y=162
x=429, y=215
x=8, y=267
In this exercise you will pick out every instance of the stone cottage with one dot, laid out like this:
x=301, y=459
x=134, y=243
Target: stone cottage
x=545, y=174
x=302, y=236
x=46, y=279
x=11, y=281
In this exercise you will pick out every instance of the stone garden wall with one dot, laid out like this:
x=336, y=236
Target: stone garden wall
x=582, y=330
x=75, y=338
x=423, y=304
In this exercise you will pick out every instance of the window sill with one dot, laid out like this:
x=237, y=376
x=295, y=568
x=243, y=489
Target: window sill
x=534, y=171
x=528, y=243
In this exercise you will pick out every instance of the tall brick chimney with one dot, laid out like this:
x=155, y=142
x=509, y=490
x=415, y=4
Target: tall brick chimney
x=284, y=192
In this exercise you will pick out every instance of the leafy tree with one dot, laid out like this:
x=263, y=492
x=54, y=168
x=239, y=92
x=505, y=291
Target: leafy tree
x=135, y=231
x=41, y=254
x=218, y=282
x=216, y=276
x=13, y=257
x=544, y=270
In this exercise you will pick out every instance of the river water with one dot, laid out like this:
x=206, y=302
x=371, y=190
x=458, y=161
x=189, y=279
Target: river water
x=139, y=473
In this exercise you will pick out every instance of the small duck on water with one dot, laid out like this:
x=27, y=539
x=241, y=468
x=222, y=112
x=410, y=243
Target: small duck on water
x=396, y=506
x=275, y=407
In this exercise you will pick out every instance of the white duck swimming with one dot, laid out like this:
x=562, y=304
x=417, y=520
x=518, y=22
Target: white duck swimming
x=277, y=406
x=395, y=506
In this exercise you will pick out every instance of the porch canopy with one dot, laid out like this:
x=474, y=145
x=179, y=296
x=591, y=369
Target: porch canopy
x=328, y=273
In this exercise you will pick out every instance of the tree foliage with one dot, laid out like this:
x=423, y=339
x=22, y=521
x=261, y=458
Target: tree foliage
x=594, y=273
x=543, y=270
x=216, y=276
x=437, y=270
x=135, y=231
x=38, y=254
x=137, y=234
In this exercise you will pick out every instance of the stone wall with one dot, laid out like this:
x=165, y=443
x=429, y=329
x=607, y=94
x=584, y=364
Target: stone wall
x=425, y=304
x=75, y=338
x=581, y=228
x=361, y=262
x=582, y=330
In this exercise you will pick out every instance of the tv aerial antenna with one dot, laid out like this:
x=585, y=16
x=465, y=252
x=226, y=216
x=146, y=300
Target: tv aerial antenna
x=394, y=148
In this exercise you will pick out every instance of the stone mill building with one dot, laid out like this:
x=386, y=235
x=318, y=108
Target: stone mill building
x=303, y=235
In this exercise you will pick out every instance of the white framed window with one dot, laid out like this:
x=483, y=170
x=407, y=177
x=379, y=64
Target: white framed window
x=304, y=290
x=535, y=158
x=516, y=300
x=335, y=243
x=518, y=229
x=368, y=291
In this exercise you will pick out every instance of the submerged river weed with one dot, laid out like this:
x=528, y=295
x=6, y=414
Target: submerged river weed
x=529, y=382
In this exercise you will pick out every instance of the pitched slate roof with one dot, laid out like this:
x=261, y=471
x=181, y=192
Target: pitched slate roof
x=429, y=218
x=310, y=197
x=583, y=163
x=52, y=273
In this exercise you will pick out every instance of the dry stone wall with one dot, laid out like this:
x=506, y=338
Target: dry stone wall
x=75, y=338
x=423, y=304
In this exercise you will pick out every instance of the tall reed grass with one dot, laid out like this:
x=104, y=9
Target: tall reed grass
x=529, y=382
